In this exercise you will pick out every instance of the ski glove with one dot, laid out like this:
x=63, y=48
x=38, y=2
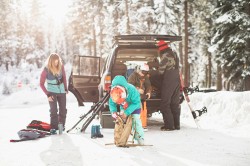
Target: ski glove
x=114, y=115
x=122, y=114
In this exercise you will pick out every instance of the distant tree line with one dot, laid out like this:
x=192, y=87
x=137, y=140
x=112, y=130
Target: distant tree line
x=215, y=51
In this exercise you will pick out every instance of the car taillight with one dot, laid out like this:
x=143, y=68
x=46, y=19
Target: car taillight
x=107, y=83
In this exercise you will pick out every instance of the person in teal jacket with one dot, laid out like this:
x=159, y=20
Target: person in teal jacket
x=128, y=98
x=56, y=90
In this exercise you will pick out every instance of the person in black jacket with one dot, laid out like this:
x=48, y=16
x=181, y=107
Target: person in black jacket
x=170, y=87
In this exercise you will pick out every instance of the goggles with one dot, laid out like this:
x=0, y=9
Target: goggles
x=144, y=72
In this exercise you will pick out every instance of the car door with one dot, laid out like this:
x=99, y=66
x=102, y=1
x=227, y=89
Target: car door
x=84, y=78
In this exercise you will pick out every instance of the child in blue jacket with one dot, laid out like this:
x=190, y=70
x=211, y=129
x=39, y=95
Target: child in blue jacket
x=128, y=98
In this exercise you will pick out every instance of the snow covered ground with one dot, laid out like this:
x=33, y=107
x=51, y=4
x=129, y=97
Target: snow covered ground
x=222, y=140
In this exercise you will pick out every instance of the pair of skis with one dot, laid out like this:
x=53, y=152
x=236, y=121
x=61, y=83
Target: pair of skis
x=95, y=109
x=186, y=92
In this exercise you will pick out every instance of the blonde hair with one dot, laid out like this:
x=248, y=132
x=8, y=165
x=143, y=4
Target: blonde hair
x=55, y=70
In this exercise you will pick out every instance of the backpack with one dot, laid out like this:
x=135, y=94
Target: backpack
x=29, y=134
x=122, y=131
x=39, y=125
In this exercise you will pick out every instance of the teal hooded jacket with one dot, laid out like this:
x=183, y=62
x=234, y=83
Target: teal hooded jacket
x=132, y=98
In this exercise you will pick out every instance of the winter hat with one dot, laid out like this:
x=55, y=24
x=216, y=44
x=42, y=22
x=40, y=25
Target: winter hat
x=162, y=45
x=118, y=94
x=144, y=67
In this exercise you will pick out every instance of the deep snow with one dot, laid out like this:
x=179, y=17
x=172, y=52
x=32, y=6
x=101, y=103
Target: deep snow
x=222, y=140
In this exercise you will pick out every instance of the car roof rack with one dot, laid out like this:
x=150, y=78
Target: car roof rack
x=147, y=38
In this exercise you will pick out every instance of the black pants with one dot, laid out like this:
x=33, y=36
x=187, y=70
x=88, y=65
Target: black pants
x=56, y=118
x=170, y=92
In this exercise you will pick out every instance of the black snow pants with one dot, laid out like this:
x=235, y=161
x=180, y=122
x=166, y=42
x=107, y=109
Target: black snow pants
x=170, y=92
x=56, y=118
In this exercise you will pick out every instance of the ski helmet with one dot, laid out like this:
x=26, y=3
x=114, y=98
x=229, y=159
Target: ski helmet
x=118, y=94
x=144, y=67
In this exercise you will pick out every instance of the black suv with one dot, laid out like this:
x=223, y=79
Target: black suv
x=89, y=82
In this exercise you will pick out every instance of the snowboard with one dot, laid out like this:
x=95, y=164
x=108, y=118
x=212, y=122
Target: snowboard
x=187, y=100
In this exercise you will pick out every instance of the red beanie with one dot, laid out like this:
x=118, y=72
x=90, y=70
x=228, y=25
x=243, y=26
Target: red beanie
x=162, y=45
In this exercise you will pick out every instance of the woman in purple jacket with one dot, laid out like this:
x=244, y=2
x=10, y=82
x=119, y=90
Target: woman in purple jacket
x=56, y=88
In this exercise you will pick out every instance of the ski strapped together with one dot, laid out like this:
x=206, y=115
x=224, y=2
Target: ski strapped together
x=95, y=110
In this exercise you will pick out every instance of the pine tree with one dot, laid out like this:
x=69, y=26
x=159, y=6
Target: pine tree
x=231, y=40
x=6, y=89
x=200, y=36
x=6, y=23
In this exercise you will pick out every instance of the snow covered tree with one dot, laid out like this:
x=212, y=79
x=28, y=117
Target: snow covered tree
x=169, y=17
x=141, y=16
x=231, y=41
x=6, y=89
x=36, y=32
x=82, y=24
x=6, y=32
x=200, y=59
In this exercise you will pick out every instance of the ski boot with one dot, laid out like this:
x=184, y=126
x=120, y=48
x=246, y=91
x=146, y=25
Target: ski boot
x=140, y=141
x=53, y=131
x=164, y=128
x=93, y=131
x=98, y=132
x=60, y=128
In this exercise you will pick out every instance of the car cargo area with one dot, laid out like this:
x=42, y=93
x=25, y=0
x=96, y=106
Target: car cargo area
x=128, y=60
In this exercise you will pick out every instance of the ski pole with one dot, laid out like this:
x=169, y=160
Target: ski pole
x=96, y=111
x=83, y=116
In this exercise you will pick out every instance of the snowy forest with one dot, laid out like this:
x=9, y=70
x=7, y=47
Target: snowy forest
x=214, y=53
